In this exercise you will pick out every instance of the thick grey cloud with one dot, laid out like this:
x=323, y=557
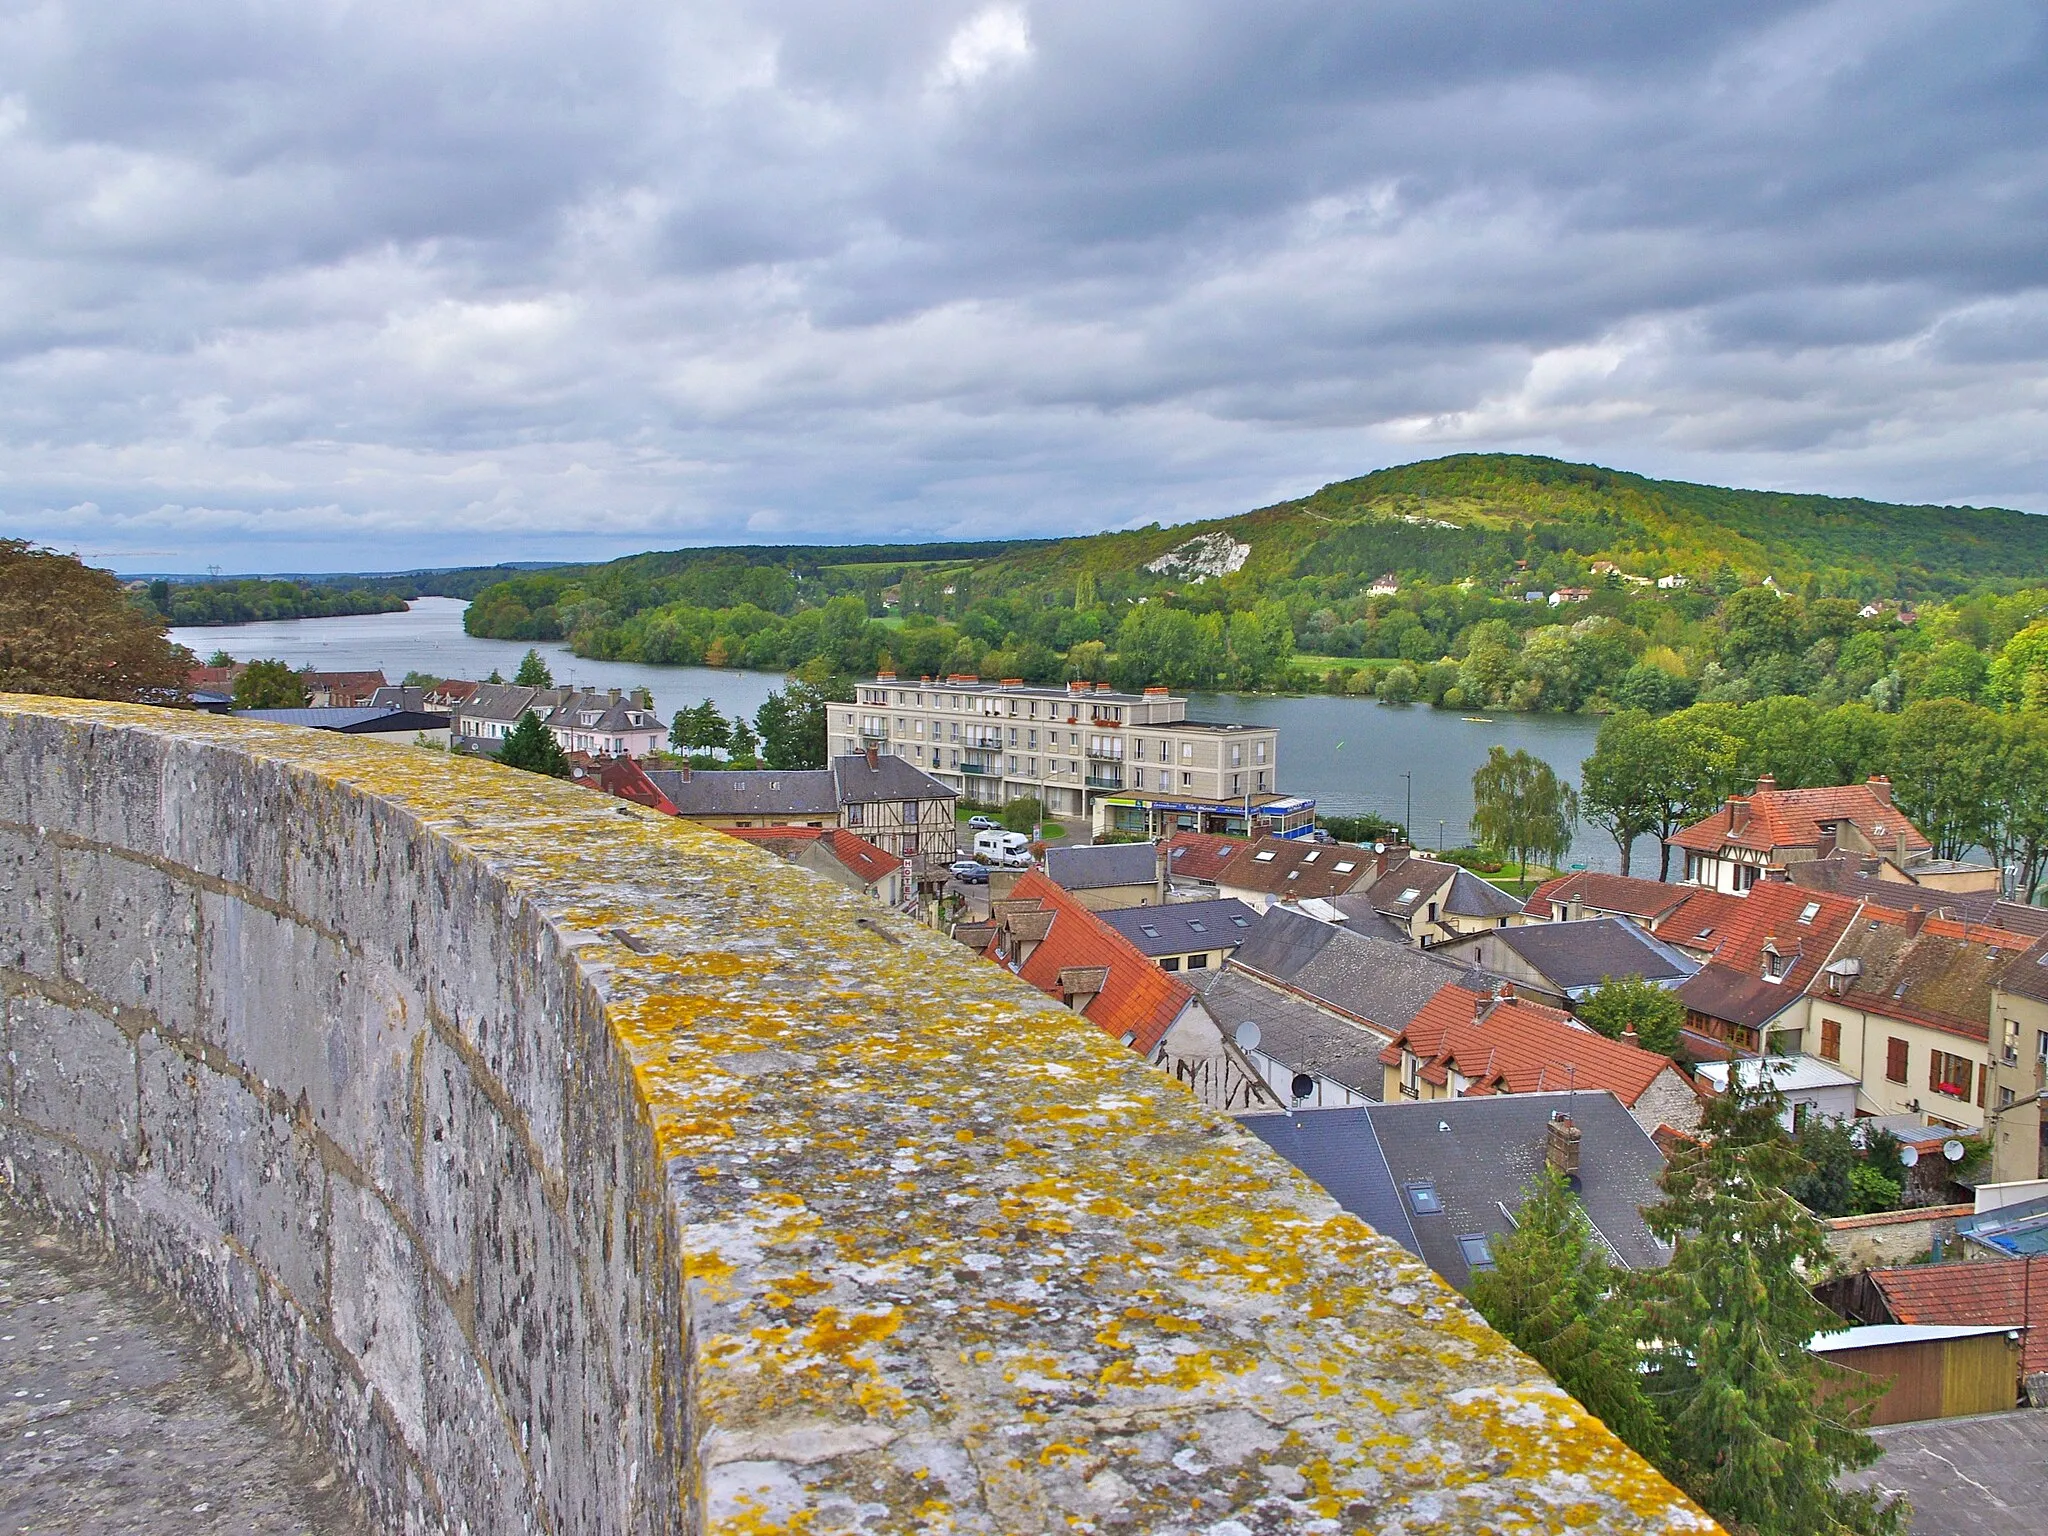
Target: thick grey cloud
x=379, y=284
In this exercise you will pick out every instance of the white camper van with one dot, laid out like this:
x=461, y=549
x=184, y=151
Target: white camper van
x=1008, y=850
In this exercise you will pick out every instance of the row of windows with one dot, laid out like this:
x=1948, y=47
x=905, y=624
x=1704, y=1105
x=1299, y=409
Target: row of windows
x=1098, y=746
x=1069, y=708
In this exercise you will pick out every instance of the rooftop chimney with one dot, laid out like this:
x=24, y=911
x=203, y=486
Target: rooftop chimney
x=612, y=694
x=1561, y=1145
x=1901, y=847
x=1738, y=812
x=1881, y=786
x=885, y=677
x=1767, y=784
x=874, y=755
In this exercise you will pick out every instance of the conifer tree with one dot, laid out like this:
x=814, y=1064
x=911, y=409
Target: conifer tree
x=1759, y=1427
x=533, y=672
x=1553, y=1294
x=532, y=746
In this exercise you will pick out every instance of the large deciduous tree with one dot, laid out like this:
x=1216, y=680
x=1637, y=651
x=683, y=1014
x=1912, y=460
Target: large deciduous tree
x=66, y=628
x=1621, y=784
x=270, y=685
x=1629, y=1003
x=1520, y=806
x=1945, y=770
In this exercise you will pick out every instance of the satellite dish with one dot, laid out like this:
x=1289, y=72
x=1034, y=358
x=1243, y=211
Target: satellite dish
x=1909, y=1157
x=1952, y=1150
x=1247, y=1036
x=1302, y=1086
x=1379, y=847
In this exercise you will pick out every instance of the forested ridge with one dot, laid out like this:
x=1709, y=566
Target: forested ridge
x=1429, y=581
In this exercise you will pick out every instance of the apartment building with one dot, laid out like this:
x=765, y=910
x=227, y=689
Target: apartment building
x=1132, y=762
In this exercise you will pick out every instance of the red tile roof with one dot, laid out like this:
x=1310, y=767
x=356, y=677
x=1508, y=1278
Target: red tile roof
x=1645, y=900
x=1776, y=818
x=1519, y=1047
x=2009, y=1293
x=849, y=848
x=1774, y=915
x=1295, y=869
x=1201, y=855
x=1137, y=998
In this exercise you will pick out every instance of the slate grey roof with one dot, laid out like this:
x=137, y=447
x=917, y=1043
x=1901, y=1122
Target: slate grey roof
x=1374, y=979
x=1848, y=874
x=352, y=720
x=1094, y=868
x=1293, y=1032
x=508, y=701
x=750, y=792
x=1338, y=1149
x=1477, y=1156
x=1360, y=917
x=886, y=778
x=1578, y=955
x=1166, y=931
x=1282, y=942
x=1470, y=896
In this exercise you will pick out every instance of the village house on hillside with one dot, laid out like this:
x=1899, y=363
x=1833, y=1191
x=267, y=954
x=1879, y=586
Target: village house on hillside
x=1771, y=828
x=1776, y=940
x=1466, y=1042
x=1183, y=935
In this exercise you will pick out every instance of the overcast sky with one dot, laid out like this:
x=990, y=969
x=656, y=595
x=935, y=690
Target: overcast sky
x=366, y=286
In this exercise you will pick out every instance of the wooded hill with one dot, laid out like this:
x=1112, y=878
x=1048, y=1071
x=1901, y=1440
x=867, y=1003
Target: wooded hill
x=1769, y=594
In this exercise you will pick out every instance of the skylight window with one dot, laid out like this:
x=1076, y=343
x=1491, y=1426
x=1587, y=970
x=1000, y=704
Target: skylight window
x=1422, y=1200
x=1474, y=1247
x=1345, y=866
x=1245, y=922
x=1703, y=933
x=1809, y=912
x=1195, y=925
x=1312, y=855
x=1148, y=930
x=1408, y=895
x=1263, y=858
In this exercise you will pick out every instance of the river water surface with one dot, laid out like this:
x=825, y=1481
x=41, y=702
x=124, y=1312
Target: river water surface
x=1350, y=755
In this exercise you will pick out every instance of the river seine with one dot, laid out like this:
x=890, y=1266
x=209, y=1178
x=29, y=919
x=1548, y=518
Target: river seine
x=1350, y=755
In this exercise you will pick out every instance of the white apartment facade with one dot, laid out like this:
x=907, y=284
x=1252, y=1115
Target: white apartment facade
x=1071, y=747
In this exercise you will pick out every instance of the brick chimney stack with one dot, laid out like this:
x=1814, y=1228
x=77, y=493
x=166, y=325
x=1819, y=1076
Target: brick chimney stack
x=1561, y=1145
x=1881, y=786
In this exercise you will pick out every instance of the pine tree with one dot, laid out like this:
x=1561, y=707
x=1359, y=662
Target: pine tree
x=532, y=746
x=1553, y=1294
x=533, y=672
x=1759, y=1426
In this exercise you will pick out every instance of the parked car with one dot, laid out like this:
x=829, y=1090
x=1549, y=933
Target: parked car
x=969, y=872
x=984, y=824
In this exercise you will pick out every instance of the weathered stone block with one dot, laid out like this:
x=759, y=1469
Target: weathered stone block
x=472, y=1450
x=378, y=1291
x=73, y=1074
x=28, y=903
x=130, y=934
x=208, y=1137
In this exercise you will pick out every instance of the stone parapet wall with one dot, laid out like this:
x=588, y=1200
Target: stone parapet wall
x=574, y=1169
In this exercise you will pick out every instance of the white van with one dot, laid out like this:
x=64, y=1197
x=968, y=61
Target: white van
x=1008, y=849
